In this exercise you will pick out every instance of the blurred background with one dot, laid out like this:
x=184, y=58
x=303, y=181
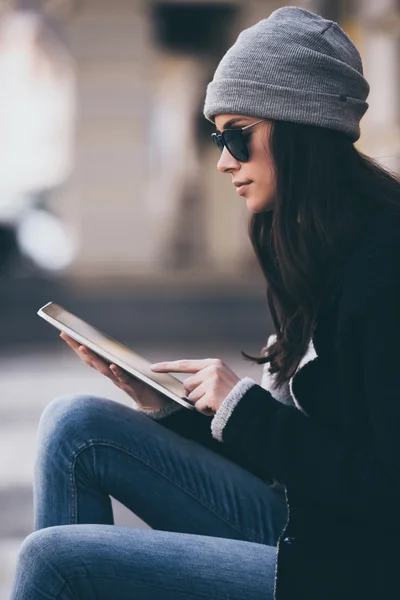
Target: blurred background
x=111, y=203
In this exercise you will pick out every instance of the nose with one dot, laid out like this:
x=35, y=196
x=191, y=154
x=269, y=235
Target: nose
x=227, y=163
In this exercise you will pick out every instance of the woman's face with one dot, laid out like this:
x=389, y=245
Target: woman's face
x=258, y=172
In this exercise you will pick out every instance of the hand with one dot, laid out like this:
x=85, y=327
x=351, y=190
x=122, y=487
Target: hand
x=211, y=382
x=143, y=394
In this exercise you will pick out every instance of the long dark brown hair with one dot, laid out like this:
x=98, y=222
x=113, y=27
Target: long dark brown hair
x=326, y=191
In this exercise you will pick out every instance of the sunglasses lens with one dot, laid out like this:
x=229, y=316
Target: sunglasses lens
x=217, y=139
x=236, y=144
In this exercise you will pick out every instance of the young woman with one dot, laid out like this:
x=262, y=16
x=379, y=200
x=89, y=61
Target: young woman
x=286, y=99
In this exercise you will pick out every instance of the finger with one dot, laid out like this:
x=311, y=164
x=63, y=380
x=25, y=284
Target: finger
x=204, y=405
x=92, y=360
x=79, y=349
x=197, y=393
x=71, y=342
x=65, y=336
x=126, y=381
x=96, y=362
x=122, y=376
x=182, y=366
x=84, y=355
x=191, y=383
x=88, y=357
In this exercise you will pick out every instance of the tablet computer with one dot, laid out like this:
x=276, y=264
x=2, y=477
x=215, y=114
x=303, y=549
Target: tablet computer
x=114, y=352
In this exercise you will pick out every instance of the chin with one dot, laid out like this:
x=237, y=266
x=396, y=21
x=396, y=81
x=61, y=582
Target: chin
x=255, y=206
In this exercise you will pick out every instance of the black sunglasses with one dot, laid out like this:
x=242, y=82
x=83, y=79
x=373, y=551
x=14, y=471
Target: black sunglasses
x=234, y=141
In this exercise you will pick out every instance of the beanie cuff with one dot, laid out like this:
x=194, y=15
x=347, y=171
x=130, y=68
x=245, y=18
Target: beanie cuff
x=252, y=98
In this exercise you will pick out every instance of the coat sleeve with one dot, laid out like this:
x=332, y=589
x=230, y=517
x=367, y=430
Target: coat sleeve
x=187, y=423
x=311, y=460
x=191, y=425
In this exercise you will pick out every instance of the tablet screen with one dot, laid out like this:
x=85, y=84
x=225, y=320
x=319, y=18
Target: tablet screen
x=114, y=349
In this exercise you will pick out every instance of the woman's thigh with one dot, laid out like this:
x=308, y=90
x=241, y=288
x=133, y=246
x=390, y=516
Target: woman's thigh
x=91, y=448
x=101, y=562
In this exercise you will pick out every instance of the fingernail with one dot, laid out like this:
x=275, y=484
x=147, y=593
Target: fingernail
x=155, y=366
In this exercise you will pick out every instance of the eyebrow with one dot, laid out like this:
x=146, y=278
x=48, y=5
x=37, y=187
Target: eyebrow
x=231, y=122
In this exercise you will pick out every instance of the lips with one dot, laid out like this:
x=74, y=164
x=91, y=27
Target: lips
x=241, y=187
x=241, y=183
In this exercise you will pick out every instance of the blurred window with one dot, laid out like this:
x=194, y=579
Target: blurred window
x=37, y=95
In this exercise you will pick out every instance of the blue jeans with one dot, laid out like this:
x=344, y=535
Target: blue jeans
x=214, y=525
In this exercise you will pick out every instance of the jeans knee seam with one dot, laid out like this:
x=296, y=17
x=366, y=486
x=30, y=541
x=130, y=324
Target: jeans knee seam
x=104, y=442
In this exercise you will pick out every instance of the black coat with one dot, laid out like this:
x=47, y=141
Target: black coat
x=339, y=456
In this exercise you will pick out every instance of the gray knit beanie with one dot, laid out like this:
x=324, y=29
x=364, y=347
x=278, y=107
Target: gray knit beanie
x=293, y=66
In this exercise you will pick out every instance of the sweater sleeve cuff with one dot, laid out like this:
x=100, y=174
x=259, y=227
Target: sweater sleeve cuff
x=227, y=407
x=159, y=413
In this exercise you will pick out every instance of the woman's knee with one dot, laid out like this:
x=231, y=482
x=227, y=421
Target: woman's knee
x=71, y=419
x=41, y=561
x=32, y=549
x=38, y=551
